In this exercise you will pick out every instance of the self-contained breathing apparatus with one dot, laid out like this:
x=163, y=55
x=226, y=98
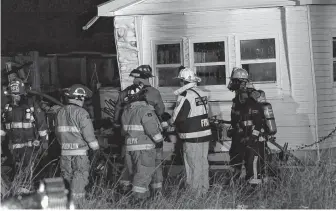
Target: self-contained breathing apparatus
x=269, y=119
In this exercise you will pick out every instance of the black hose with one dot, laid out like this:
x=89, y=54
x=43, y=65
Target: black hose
x=45, y=96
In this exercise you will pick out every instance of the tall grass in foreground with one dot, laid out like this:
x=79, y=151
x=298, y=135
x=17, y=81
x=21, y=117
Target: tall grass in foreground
x=311, y=187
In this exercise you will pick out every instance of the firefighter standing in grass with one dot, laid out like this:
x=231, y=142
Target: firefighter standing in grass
x=74, y=131
x=247, y=123
x=153, y=97
x=24, y=123
x=142, y=131
x=190, y=118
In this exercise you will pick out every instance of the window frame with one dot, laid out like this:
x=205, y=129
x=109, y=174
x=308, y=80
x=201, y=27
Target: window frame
x=239, y=62
x=224, y=39
x=154, y=45
x=333, y=59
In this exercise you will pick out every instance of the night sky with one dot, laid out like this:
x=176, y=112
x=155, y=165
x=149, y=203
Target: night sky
x=53, y=26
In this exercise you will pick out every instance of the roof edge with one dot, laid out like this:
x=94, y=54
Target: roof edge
x=108, y=8
x=320, y=2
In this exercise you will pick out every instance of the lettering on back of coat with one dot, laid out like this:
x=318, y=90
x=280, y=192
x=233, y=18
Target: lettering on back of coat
x=131, y=141
x=70, y=146
x=205, y=123
x=199, y=102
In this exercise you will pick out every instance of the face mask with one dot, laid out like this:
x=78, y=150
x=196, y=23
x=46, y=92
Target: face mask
x=16, y=99
x=234, y=85
x=242, y=96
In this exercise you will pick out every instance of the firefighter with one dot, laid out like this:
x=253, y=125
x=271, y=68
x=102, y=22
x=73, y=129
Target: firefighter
x=142, y=131
x=246, y=121
x=141, y=77
x=74, y=131
x=190, y=119
x=25, y=126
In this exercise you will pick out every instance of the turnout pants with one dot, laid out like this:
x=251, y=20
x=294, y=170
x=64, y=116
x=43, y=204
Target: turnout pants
x=146, y=170
x=197, y=166
x=253, y=154
x=75, y=169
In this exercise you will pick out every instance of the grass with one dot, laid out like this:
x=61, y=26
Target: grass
x=309, y=187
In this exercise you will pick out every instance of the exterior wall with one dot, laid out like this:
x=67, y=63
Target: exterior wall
x=323, y=28
x=300, y=63
x=292, y=96
x=127, y=47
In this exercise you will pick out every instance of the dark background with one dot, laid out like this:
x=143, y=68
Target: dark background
x=54, y=26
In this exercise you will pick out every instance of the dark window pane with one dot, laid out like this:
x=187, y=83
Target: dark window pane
x=209, y=52
x=106, y=72
x=334, y=47
x=166, y=76
x=168, y=54
x=334, y=67
x=261, y=72
x=69, y=71
x=211, y=75
x=257, y=49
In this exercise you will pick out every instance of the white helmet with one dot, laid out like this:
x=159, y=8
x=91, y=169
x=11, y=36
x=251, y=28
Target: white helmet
x=239, y=73
x=187, y=74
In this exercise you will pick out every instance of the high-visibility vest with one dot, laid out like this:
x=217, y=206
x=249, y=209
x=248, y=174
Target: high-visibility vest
x=195, y=127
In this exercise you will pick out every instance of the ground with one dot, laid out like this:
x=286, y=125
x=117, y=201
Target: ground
x=305, y=187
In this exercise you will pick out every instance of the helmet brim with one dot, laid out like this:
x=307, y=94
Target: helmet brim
x=197, y=79
x=139, y=74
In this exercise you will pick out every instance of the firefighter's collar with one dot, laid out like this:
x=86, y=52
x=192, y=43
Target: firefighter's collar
x=184, y=88
x=144, y=103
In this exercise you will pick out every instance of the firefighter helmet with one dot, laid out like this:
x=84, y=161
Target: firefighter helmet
x=239, y=73
x=17, y=87
x=135, y=93
x=238, y=79
x=143, y=71
x=187, y=74
x=78, y=90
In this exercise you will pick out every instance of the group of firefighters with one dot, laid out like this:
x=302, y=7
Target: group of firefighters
x=140, y=114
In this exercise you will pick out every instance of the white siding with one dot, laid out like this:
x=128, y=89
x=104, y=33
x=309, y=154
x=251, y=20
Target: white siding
x=323, y=24
x=299, y=58
x=293, y=107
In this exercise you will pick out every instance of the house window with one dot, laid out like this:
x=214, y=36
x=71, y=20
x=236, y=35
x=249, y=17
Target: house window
x=334, y=58
x=209, y=62
x=259, y=59
x=168, y=60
